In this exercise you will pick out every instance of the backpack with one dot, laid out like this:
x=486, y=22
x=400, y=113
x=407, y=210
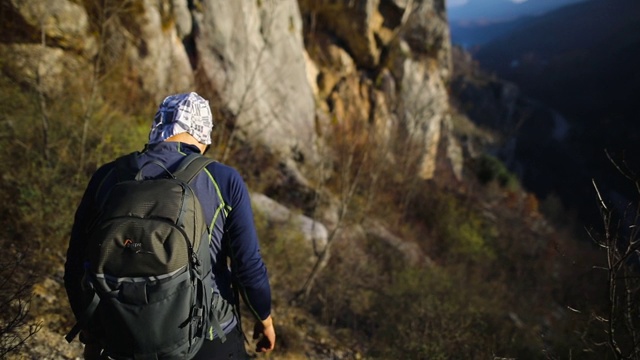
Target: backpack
x=148, y=268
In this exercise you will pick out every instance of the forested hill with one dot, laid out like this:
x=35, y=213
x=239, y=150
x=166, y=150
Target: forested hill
x=382, y=210
x=599, y=36
x=581, y=60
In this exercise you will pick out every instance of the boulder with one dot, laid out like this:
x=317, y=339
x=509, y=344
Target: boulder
x=314, y=232
x=62, y=22
x=42, y=68
x=411, y=252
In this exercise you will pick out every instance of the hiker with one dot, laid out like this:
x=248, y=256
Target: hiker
x=182, y=126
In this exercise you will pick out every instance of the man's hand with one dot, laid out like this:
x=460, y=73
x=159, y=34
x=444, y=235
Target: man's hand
x=264, y=331
x=92, y=347
x=92, y=351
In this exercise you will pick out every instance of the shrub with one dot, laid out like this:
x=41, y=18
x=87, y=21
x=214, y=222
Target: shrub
x=489, y=169
x=439, y=315
x=457, y=230
x=15, y=296
x=285, y=254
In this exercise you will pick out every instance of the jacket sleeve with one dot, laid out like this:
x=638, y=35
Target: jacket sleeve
x=247, y=265
x=74, y=265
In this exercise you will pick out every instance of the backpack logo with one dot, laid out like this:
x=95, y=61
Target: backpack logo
x=136, y=247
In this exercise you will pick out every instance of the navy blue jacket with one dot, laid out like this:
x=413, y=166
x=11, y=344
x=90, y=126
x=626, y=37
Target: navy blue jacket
x=233, y=218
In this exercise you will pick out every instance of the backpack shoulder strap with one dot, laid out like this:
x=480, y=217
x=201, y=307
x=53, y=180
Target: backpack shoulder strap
x=191, y=166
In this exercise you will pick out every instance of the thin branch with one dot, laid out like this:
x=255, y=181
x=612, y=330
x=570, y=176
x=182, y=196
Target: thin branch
x=44, y=116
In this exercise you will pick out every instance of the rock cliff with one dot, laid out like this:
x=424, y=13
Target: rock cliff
x=279, y=70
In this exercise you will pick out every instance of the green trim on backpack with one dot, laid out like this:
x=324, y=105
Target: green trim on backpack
x=221, y=206
x=215, y=326
x=225, y=209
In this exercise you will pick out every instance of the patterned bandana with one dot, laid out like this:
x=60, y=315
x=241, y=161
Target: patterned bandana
x=180, y=113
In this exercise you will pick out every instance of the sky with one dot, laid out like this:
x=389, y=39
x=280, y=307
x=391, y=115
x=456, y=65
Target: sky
x=499, y=10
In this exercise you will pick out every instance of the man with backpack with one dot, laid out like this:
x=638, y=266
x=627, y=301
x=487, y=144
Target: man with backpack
x=162, y=247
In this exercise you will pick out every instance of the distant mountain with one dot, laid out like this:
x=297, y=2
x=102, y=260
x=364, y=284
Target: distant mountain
x=473, y=25
x=493, y=11
x=473, y=35
x=584, y=61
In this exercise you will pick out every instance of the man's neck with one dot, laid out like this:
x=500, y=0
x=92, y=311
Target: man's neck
x=187, y=139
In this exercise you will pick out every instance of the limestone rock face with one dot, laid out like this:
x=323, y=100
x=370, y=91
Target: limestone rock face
x=427, y=32
x=44, y=42
x=252, y=54
x=354, y=22
x=138, y=37
x=156, y=51
x=425, y=105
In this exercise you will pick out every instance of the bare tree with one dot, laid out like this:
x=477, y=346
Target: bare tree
x=621, y=243
x=42, y=102
x=107, y=14
x=350, y=181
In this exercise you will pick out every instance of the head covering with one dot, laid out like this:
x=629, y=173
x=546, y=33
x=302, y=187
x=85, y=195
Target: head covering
x=180, y=113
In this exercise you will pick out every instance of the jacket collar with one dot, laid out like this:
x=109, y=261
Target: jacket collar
x=174, y=146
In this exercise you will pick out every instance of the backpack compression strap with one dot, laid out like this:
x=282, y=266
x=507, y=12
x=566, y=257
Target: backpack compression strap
x=83, y=318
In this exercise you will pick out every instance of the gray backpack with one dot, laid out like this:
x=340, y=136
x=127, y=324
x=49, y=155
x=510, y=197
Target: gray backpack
x=148, y=267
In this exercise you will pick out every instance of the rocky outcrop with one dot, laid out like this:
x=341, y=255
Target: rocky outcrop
x=154, y=49
x=286, y=73
x=316, y=234
x=60, y=23
x=42, y=68
x=44, y=42
x=383, y=64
